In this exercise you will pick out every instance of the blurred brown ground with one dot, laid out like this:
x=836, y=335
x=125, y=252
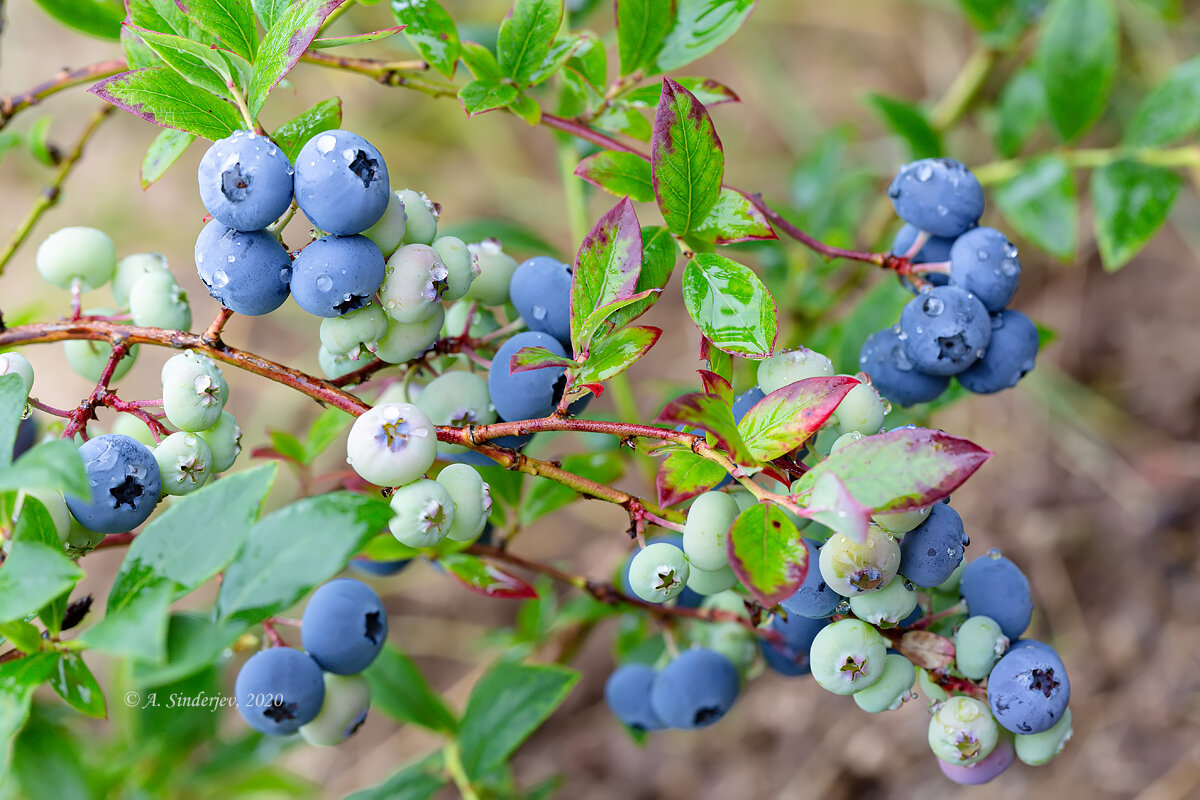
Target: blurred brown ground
x=1094, y=492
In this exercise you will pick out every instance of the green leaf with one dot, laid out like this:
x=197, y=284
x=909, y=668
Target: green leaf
x=706, y=90
x=399, y=690
x=622, y=174
x=1040, y=204
x=710, y=413
x=76, y=684
x=730, y=305
x=526, y=108
x=787, y=417
x=561, y=50
x=528, y=358
x=46, y=761
x=18, y=680
x=590, y=60
x=526, y=35
x=101, y=18
x=683, y=475
x=326, y=43
x=12, y=404
x=999, y=22
x=196, y=537
x=481, y=62
x=1076, y=57
x=295, y=548
x=33, y=575
x=325, y=430
x=287, y=446
x=485, y=578
x=164, y=151
x=909, y=123
x=509, y=703
x=658, y=262
x=614, y=353
x=641, y=27
x=194, y=642
x=546, y=496
x=486, y=95
x=1170, y=112
x=231, y=21
x=165, y=16
x=687, y=162
x=269, y=10
x=22, y=635
x=431, y=31
x=1022, y=105
x=196, y=63
x=1130, y=202
x=700, y=26
x=902, y=469
x=597, y=323
x=286, y=40
x=159, y=95
x=419, y=781
x=734, y=219
x=767, y=553
x=137, y=628
x=831, y=504
x=291, y=135
x=623, y=118
x=38, y=140
x=606, y=267
x=51, y=465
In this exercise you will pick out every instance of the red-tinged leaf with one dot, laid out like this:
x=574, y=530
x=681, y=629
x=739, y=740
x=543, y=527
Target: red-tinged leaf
x=718, y=360
x=787, y=417
x=289, y=36
x=734, y=219
x=530, y=358
x=832, y=505
x=710, y=413
x=618, y=173
x=602, y=320
x=925, y=649
x=687, y=163
x=358, y=38
x=486, y=578
x=606, y=268
x=767, y=553
x=706, y=90
x=595, y=388
x=902, y=469
x=159, y=95
x=712, y=383
x=614, y=354
x=658, y=261
x=683, y=475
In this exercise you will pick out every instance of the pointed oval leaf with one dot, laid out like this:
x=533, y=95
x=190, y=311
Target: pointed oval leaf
x=767, y=553
x=606, y=267
x=615, y=353
x=486, y=578
x=164, y=151
x=708, y=91
x=658, y=262
x=622, y=174
x=1170, y=112
x=530, y=358
x=730, y=305
x=1130, y=202
x=76, y=684
x=196, y=63
x=399, y=689
x=641, y=27
x=1040, y=203
x=710, y=413
x=431, y=31
x=832, y=505
x=700, y=26
x=526, y=35
x=1076, y=57
x=325, y=43
x=231, y=21
x=291, y=135
x=687, y=162
x=284, y=43
x=734, y=219
x=486, y=95
x=787, y=417
x=159, y=95
x=683, y=475
x=100, y=18
x=910, y=123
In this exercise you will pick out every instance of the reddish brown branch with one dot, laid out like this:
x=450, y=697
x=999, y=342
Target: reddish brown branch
x=66, y=78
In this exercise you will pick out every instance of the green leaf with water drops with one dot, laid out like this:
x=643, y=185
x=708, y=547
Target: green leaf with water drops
x=767, y=553
x=730, y=305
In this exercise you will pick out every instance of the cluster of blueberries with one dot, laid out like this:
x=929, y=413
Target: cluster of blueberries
x=958, y=325
x=318, y=691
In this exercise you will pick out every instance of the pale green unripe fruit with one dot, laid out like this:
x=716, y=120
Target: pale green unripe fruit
x=963, y=731
x=345, y=334
x=706, y=531
x=405, y=341
x=80, y=540
x=851, y=568
x=392, y=444
x=335, y=366
x=472, y=501
x=131, y=426
x=421, y=217
x=343, y=711
x=725, y=601
x=844, y=440
x=892, y=689
x=78, y=254
x=787, y=367
x=89, y=358
x=735, y=642
x=184, y=462
x=658, y=572
x=901, y=522
x=17, y=364
x=157, y=301
x=933, y=692
x=225, y=441
x=413, y=284
x=457, y=398
x=194, y=391
x=461, y=265
x=861, y=410
x=399, y=392
x=56, y=507
x=707, y=582
x=887, y=606
x=495, y=273
x=482, y=323
x=847, y=656
x=978, y=644
x=423, y=513
x=388, y=232
x=130, y=269
x=1036, y=749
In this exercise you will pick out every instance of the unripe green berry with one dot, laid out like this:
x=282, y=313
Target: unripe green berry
x=901, y=522
x=388, y=232
x=978, y=644
x=78, y=254
x=886, y=607
x=1036, y=749
x=495, y=273
x=845, y=439
x=472, y=501
x=933, y=692
x=392, y=444
x=847, y=656
x=963, y=731
x=788, y=366
x=460, y=264
x=861, y=410
x=194, y=391
x=17, y=364
x=130, y=270
x=345, y=334
x=225, y=441
x=658, y=572
x=157, y=301
x=405, y=341
x=184, y=461
x=892, y=689
x=343, y=711
x=706, y=531
x=89, y=358
x=850, y=568
x=482, y=323
x=421, y=217
x=134, y=428
x=335, y=366
x=423, y=513
x=457, y=398
x=707, y=582
x=413, y=284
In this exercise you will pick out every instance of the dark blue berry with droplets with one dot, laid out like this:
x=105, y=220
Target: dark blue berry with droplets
x=245, y=181
x=944, y=331
x=984, y=262
x=893, y=374
x=344, y=626
x=935, y=250
x=278, y=690
x=933, y=549
x=530, y=394
x=249, y=272
x=540, y=289
x=341, y=182
x=125, y=483
x=814, y=598
x=335, y=275
x=938, y=195
x=695, y=690
x=1010, y=355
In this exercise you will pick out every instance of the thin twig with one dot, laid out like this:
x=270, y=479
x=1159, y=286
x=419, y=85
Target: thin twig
x=13, y=104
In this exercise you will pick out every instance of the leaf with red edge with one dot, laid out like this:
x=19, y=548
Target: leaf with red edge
x=358, y=38
x=925, y=649
x=683, y=475
x=767, y=553
x=710, y=413
x=618, y=173
x=832, y=505
x=787, y=417
x=718, y=360
x=734, y=219
x=159, y=95
x=606, y=268
x=486, y=578
x=616, y=353
x=687, y=162
x=290, y=35
x=900, y=470
x=715, y=384
x=530, y=358
x=602, y=321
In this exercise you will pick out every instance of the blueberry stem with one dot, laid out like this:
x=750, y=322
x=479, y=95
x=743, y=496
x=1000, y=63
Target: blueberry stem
x=456, y=771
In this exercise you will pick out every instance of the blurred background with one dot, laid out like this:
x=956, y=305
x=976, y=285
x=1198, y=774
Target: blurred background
x=1094, y=490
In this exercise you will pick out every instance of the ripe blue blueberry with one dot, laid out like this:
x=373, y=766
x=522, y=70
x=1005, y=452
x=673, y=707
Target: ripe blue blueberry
x=746, y=401
x=938, y=195
x=789, y=656
x=935, y=250
x=369, y=566
x=26, y=437
x=341, y=182
x=245, y=181
x=1010, y=354
x=984, y=262
x=944, y=331
x=525, y=395
x=892, y=373
x=541, y=290
x=335, y=275
x=627, y=693
x=695, y=690
x=995, y=587
x=344, y=626
x=125, y=484
x=344, y=710
x=933, y=549
x=814, y=598
x=1028, y=689
x=982, y=771
x=249, y=272
x=278, y=690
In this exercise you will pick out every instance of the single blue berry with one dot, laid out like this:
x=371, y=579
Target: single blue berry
x=26, y=437
x=695, y=690
x=892, y=373
x=984, y=262
x=746, y=401
x=336, y=275
x=278, y=690
x=525, y=395
x=248, y=272
x=1028, y=689
x=125, y=484
x=789, y=656
x=627, y=693
x=245, y=181
x=935, y=250
x=341, y=182
x=369, y=566
x=1010, y=355
x=930, y=552
x=344, y=626
x=540, y=288
x=938, y=195
x=814, y=598
x=995, y=587
x=944, y=331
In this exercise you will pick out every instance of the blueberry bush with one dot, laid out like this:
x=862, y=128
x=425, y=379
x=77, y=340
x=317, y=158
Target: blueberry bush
x=786, y=512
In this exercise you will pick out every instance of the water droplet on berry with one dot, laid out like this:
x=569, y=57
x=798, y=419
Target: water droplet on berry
x=325, y=144
x=902, y=362
x=285, y=275
x=993, y=552
x=924, y=172
x=1010, y=267
x=997, y=321
x=980, y=352
x=941, y=210
x=220, y=279
x=933, y=306
x=539, y=313
x=324, y=282
x=981, y=254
